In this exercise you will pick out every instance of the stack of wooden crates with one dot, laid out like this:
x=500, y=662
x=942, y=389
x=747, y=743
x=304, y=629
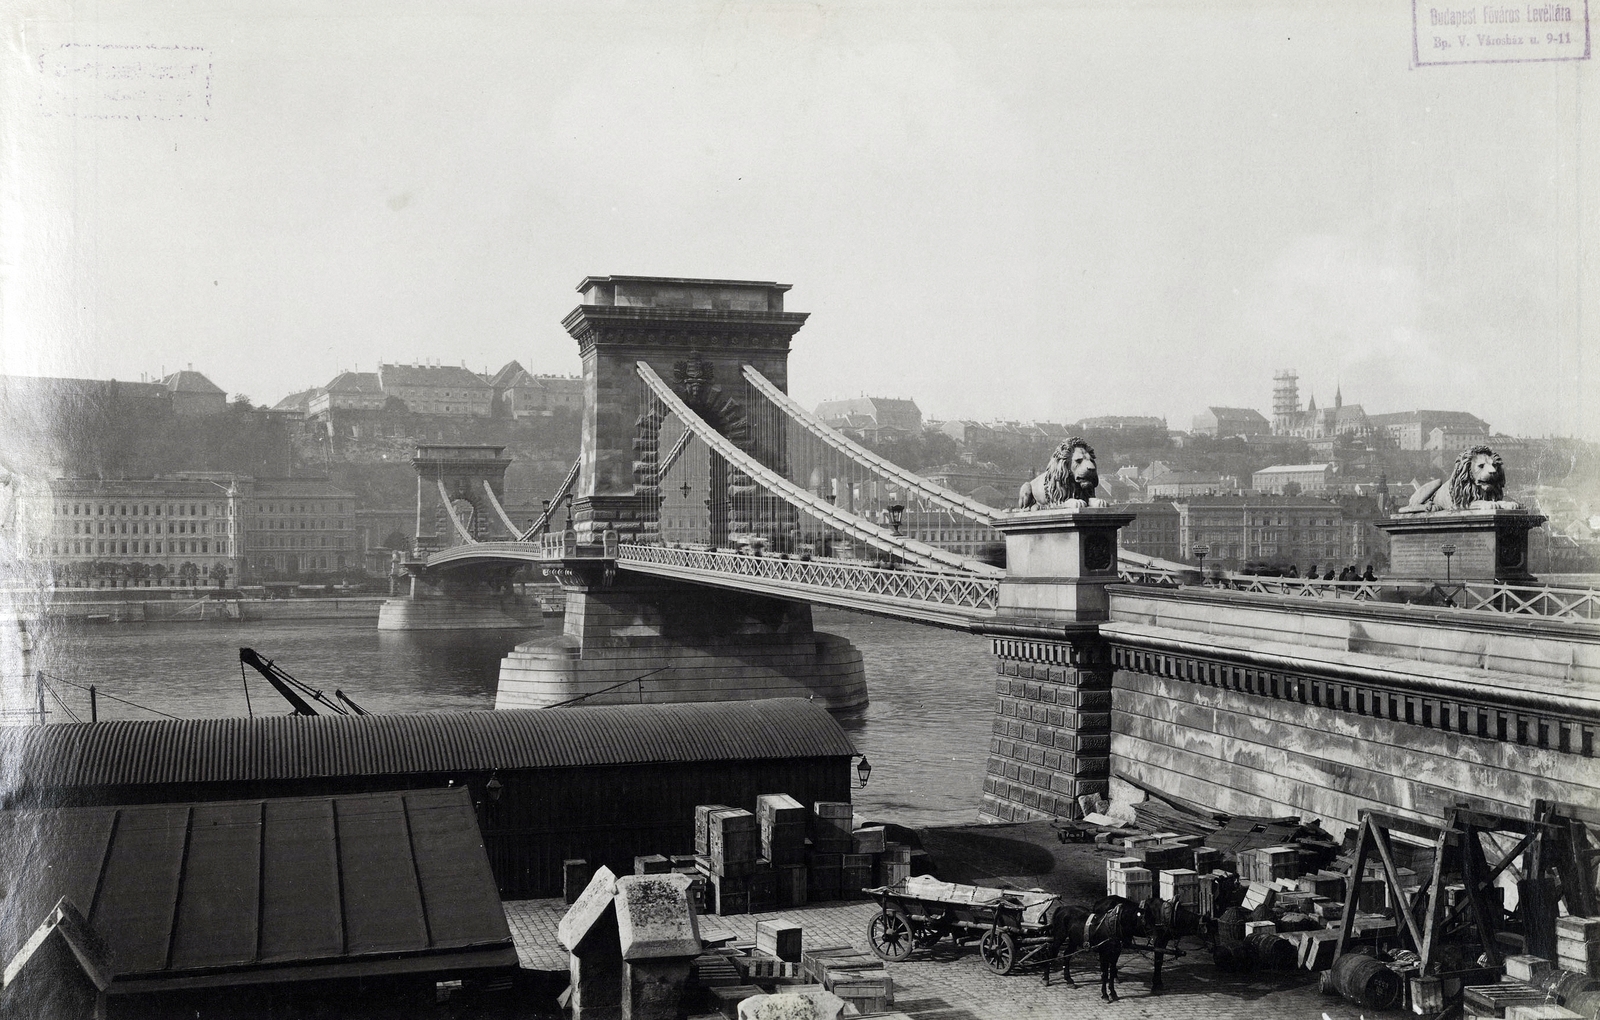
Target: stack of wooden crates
x=785, y=855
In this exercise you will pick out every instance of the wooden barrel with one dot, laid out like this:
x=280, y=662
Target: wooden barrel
x=1231, y=957
x=1230, y=926
x=1272, y=951
x=1562, y=985
x=1586, y=1003
x=1366, y=982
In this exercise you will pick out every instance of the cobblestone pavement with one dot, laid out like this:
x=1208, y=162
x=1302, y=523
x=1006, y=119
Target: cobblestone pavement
x=955, y=985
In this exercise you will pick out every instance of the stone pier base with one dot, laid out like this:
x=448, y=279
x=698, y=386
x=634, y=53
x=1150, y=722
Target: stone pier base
x=459, y=606
x=696, y=644
x=1052, y=729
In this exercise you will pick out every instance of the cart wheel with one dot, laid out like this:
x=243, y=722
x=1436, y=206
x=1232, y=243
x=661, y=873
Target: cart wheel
x=999, y=950
x=890, y=935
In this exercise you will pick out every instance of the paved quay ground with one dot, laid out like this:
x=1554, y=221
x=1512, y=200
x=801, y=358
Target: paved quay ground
x=952, y=984
x=955, y=985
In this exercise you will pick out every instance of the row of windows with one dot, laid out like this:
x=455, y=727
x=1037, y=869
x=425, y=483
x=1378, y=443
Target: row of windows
x=304, y=525
x=135, y=510
x=301, y=508
x=179, y=528
x=297, y=543
x=108, y=548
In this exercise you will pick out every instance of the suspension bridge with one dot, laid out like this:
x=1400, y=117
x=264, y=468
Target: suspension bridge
x=708, y=512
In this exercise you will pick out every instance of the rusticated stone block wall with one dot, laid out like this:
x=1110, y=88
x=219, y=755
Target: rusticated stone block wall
x=1052, y=728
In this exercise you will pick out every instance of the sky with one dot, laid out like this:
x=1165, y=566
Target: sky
x=1001, y=209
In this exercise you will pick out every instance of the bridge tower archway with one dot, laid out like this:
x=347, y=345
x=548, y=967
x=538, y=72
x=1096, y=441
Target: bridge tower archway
x=698, y=334
x=451, y=481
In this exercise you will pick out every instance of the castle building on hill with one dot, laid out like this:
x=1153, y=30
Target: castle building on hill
x=1313, y=422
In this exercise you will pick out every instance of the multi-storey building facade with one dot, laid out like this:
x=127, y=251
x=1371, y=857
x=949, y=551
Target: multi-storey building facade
x=295, y=526
x=1154, y=531
x=437, y=389
x=1221, y=422
x=1237, y=529
x=1410, y=429
x=139, y=532
x=348, y=391
x=1309, y=478
x=196, y=528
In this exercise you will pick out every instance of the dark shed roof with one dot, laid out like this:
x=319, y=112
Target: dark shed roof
x=235, y=892
x=290, y=747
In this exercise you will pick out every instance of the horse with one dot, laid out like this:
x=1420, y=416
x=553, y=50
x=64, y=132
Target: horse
x=1108, y=925
x=1103, y=928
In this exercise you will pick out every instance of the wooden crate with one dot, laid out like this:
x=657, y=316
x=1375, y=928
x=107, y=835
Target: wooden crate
x=1494, y=1000
x=1181, y=885
x=652, y=864
x=855, y=875
x=779, y=938
x=735, y=841
x=702, y=826
x=869, y=839
x=763, y=889
x=887, y=872
x=791, y=884
x=831, y=824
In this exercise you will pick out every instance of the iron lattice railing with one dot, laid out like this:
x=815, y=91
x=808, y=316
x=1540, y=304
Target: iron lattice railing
x=1484, y=596
x=909, y=585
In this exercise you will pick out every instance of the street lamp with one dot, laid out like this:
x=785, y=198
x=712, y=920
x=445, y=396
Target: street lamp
x=863, y=770
x=897, y=513
x=568, y=501
x=1200, y=554
x=1449, y=550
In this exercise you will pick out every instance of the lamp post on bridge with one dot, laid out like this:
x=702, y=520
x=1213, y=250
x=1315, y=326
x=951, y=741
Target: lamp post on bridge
x=897, y=514
x=1200, y=551
x=1449, y=550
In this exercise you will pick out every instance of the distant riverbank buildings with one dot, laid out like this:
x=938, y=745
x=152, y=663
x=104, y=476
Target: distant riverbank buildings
x=190, y=529
x=453, y=390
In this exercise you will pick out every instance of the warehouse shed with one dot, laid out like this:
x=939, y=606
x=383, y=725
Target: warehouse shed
x=156, y=909
x=606, y=783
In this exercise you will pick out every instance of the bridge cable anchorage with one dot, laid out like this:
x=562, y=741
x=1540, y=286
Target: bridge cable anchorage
x=921, y=554
x=450, y=511
x=937, y=494
x=565, y=487
x=494, y=501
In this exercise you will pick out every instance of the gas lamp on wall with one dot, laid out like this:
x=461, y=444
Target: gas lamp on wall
x=863, y=769
x=494, y=787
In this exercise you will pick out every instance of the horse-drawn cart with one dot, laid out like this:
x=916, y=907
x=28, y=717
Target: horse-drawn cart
x=1011, y=926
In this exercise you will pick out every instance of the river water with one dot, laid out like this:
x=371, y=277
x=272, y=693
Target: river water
x=926, y=730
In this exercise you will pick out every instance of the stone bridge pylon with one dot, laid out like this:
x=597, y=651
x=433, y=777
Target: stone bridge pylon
x=460, y=499
x=688, y=642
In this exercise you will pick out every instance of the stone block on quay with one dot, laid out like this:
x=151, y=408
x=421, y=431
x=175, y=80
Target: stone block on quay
x=591, y=907
x=654, y=918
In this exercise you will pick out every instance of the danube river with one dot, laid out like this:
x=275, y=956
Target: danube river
x=926, y=730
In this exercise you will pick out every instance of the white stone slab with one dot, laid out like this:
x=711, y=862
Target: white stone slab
x=597, y=898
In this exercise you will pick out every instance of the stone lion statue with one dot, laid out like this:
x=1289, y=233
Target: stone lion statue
x=1477, y=482
x=1069, y=480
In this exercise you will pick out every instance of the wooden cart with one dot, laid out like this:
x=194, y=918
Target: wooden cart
x=1011, y=926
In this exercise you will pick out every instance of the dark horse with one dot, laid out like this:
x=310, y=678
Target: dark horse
x=1108, y=926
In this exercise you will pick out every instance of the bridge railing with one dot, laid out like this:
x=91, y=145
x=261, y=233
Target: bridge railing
x=1485, y=596
x=911, y=585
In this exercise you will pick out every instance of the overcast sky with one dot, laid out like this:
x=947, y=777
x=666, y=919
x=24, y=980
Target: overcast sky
x=1019, y=209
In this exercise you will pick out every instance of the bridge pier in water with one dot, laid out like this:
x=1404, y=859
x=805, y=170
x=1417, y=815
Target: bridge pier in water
x=479, y=599
x=687, y=642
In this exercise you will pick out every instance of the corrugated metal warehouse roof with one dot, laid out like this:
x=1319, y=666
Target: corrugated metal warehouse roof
x=292, y=747
x=229, y=892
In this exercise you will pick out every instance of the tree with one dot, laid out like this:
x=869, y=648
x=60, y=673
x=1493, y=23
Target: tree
x=241, y=403
x=1292, y=488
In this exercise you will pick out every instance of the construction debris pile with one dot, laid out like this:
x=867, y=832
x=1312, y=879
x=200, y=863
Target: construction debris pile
x=1485, y=915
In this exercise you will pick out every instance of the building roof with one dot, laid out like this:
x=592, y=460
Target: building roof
x=232, y=892
x=1289, y=469
x=355, y=382
x=138, y=752
x=1249, y=414
x=189, y=381
x=881, y=410
x=430, y=375
x=1428, y=418
x=507, y=376
x=1190, y=478
x=296, y=401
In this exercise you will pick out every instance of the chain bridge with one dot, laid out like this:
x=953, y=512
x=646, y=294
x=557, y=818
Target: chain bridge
x=708, y=511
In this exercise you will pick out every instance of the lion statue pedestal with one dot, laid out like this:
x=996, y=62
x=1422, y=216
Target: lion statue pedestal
x=1489, y=545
